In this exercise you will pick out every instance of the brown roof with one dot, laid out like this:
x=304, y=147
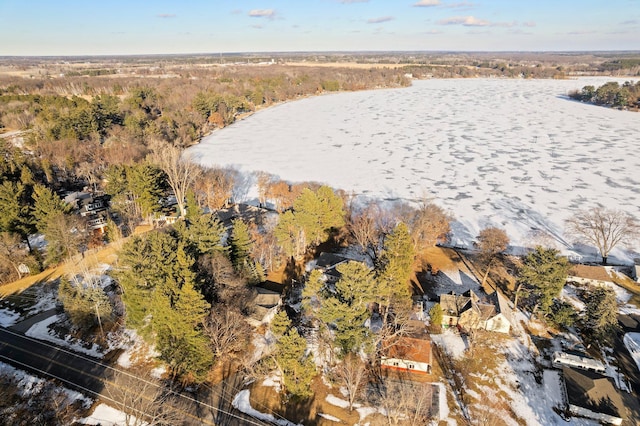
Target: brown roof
x=593, y=391
x=410, y=349
x=590, y=272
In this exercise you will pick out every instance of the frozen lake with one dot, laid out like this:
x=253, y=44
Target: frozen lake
x=510, y=153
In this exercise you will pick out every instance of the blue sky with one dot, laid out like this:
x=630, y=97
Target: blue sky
x=102, y=27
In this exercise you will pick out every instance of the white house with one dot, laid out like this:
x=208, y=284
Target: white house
x=408, y=354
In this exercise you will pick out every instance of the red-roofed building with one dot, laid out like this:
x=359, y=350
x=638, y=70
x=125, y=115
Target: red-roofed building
x=408, y=354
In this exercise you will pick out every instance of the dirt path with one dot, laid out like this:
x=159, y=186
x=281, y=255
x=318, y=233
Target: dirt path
x=90, y=259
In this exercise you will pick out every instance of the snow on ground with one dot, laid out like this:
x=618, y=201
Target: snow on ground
x=28, y=384
x=568, y=294
x=8, y=317
x=103, y=415
x=517, y=154
x=338, y=402
x=42, y=331
x=451, y=342
x=531, y=401
x=330, y=417
x=632, y=342
x=241, y=403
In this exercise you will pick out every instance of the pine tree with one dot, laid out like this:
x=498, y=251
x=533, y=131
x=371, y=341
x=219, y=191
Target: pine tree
x=47, y=205
x=545, y=272
x=396, y=267
x=290, y=235
x=601, y=314
x=317, y=213
x=158, y=278
x=240, y=245
x=290, y=356
x=193, y=210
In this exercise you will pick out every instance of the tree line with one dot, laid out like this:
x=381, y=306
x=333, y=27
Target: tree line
x=611, y=94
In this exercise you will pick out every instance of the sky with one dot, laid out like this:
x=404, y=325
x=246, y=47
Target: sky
x=109, y=27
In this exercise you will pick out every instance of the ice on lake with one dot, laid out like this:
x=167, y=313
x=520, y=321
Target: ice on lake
x=512, y=153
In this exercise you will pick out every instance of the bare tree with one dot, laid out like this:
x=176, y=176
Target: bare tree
x=365, y=231
x=429, y=224
x=228, y=332
x=12, y=254
x=491, y=242
x=214, y=188
x=352, y=374
x=603, y=228
x=406, y=402
x=180, y=170
x=263, y=180
x=144, y=400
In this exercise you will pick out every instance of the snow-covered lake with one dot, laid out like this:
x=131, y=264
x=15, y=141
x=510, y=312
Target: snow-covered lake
x=503, y=152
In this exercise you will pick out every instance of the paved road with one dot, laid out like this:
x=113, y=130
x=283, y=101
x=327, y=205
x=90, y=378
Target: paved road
x=113, y=386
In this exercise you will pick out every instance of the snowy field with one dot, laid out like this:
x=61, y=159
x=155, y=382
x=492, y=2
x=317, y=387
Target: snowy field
x=517, y=154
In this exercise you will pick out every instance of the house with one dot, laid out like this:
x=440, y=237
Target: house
x=467, y=311
x=408, y=354
x=586, y=274
x=266, y=302
x=327, y=264
x=592, y=395
x=576, y=360
x=92, y=207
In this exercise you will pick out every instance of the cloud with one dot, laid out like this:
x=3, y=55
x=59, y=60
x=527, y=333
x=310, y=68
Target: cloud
x=166, y=15
x=380, y=20
x=471, y=21
x=579, y=33
x=460, y=5
x=630, y=22
x=467, y=21
x=529, y=24
x=262, y=13
x=257, y=26
x=427, y=3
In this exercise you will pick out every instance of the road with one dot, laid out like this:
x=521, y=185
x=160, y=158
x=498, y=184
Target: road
x=117, y=387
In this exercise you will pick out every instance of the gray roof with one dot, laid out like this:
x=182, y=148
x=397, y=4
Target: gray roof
x=593, y=391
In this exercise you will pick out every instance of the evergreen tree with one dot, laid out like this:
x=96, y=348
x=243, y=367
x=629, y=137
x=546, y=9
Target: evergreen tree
x=344, y=308
x=317, y=213
x=601, y=314
x=396, y=267
x=203, y=234
x=280, y=324
x=85, y=306
x=290, y=235
x=240, y=245
x=296, y=367
x=15, y=214
x=193, y=210
x=47, y=205
x=158, y=278
x=436, y=315
x=545, y=272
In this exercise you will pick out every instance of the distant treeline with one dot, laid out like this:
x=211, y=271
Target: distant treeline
x=611, y=94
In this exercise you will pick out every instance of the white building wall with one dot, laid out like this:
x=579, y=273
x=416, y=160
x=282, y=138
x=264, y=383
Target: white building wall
x=405, y=364
x=583, y=412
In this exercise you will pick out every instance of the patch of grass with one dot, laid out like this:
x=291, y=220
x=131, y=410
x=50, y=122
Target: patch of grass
x=631, y=286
